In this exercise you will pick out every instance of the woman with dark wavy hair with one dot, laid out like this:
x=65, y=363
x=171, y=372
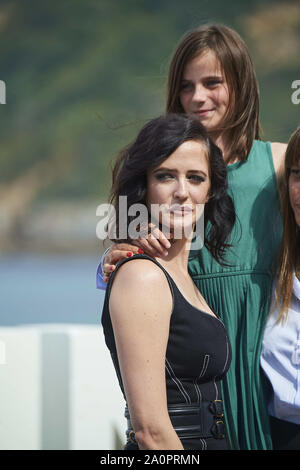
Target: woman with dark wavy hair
x=280, y=357
x=169, y=349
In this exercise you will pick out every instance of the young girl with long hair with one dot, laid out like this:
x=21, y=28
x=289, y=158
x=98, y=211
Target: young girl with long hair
x=211, y=76
x=280, y=357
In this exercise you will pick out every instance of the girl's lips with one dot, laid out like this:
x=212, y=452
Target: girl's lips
x=203, y=112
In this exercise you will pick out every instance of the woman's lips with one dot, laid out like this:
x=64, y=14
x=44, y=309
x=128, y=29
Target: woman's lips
x=181, y=210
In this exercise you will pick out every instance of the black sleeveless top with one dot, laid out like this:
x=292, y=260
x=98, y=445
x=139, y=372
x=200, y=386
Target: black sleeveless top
x=198, y=352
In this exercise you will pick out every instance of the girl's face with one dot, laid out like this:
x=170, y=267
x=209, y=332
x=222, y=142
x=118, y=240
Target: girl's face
x=180, y=184
x=204, y=91
x=294, y=191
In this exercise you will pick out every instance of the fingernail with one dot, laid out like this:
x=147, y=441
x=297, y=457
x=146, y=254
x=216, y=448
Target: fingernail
x=140, y=251
x=129, y=254
x=111, y=268
x=168, y=244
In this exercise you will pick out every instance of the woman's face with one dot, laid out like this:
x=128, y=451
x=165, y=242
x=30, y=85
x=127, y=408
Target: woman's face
x=294, y=191
x=204, y=90
x=180, y=184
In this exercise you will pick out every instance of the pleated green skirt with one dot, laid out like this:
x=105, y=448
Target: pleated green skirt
x=241, y=293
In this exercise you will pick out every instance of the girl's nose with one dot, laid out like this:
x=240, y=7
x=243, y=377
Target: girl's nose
x=199, y=93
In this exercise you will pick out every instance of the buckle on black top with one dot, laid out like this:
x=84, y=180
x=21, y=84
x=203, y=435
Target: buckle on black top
x=131, y=437
x=216, y=408
x=218, y=428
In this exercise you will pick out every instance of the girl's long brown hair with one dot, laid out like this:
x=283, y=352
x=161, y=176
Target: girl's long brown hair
x=289, y=254
x=241, y=122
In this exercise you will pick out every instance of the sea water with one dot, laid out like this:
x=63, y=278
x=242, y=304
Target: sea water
x=49, y=289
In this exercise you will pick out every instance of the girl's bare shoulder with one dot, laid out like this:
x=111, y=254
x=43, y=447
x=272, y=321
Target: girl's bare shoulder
x=278, y=153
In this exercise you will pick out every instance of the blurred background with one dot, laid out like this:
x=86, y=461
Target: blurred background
x=81, y=79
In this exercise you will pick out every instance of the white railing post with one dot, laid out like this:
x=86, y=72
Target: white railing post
x=58, y=389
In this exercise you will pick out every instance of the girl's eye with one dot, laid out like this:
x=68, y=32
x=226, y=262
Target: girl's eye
x=185, y=86
x=295, y=172
x=213, y=83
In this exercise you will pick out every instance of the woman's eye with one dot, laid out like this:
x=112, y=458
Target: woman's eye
x=196, y=178
x=166, y=176
x=163, y=176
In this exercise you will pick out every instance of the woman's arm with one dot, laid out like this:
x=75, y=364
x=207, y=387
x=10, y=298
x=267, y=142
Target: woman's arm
x=140, y=309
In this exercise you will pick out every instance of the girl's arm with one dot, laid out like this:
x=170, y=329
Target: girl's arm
x=278, y=153
x=100, y=283
x=156, y=245
x=110, y=258
x=140, y=309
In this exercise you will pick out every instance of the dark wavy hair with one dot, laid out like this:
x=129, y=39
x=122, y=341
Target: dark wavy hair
x=157, y=140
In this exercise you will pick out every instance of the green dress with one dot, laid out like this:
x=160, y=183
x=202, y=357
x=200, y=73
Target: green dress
x=240, y=294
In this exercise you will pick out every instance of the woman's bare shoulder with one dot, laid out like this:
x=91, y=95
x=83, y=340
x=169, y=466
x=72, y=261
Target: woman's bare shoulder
x=140, y=277
x=141, y=284
x=140, y=270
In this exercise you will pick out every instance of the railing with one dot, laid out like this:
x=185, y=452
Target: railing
x=58, y=389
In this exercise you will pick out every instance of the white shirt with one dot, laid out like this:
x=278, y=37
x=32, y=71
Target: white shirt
x=280, y=360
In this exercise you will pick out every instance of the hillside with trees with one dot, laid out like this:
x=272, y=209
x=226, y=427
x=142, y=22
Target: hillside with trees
x=83, y=76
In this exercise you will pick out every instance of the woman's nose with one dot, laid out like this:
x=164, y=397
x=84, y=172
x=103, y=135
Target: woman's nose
x=181, y=191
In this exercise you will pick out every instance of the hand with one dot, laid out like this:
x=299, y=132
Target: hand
x=115, y=254
x=154, y=245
